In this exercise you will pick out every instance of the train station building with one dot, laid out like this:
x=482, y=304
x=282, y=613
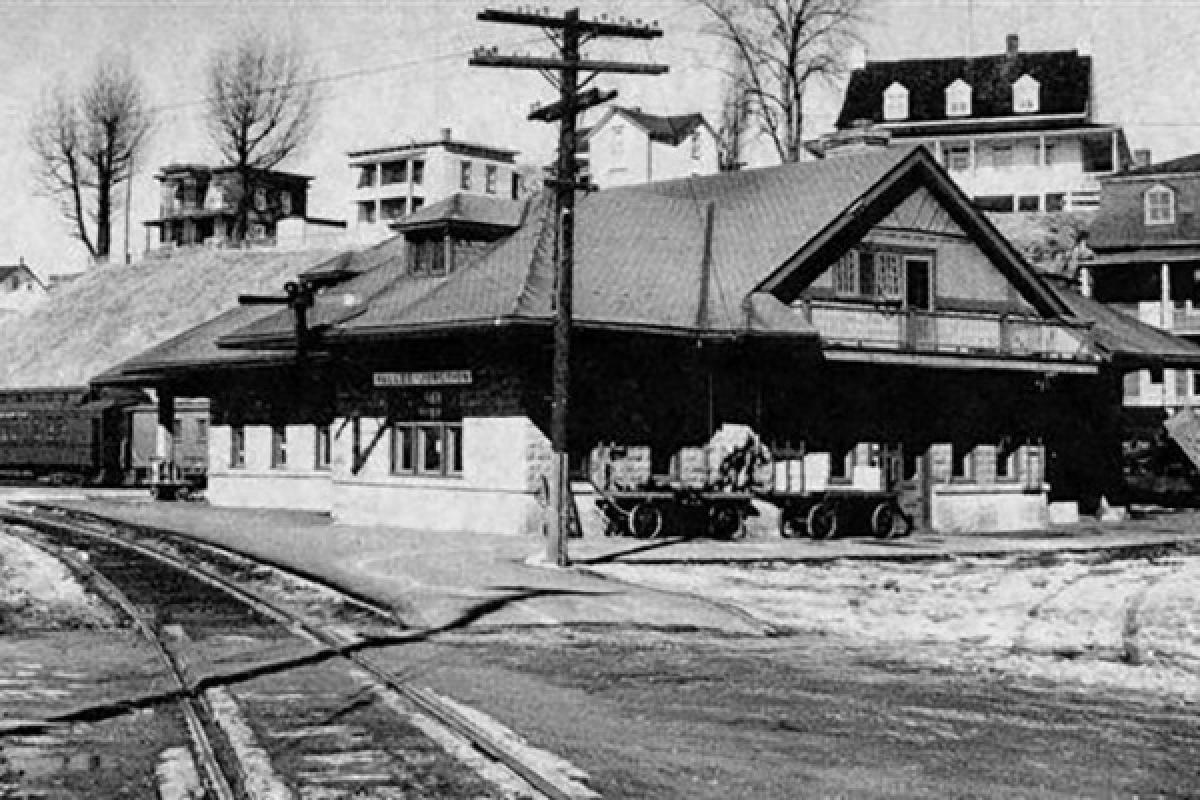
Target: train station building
x=858, y=313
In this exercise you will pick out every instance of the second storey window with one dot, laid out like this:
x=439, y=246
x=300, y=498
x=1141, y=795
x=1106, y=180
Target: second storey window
x=958, y=157
x=395, y=172
x=1025, y=94
x=491, y=173
x=427, y=257
x=845, y=274
x=418, y=172
x=366, y=176
x=465, y=173
x=1160, y=206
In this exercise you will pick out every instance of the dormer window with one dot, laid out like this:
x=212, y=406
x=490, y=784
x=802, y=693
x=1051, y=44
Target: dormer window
x=958, y=99
x=895, y=102
x=1160, y=205
x=1025, y=95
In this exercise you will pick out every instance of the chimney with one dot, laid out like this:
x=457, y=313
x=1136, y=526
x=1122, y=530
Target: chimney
x=1012, y=46
x=446, y=134
x=858, y=57
x=1141, y=158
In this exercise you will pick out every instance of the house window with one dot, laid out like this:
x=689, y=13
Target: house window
x=490, y=174
x=428, y=257
x=202, y=431
x=260, y=199
x=366, y=176
x=285, y=203
x=995, y=202
x=1160, y=206
x=323, y=447
x=958, y=99
x=418, y=172
x=278, y=447
x=958, y=157
x=1028, y=202
x=417, y=203
x=1056, y=201
x=618, y=140
x=889, y=276
x=696, y=145
x=465, y=176
x=392, y=208
x=1048, y=155
x=845, y=274
x=895, y=102
x=1002, y=156
x=366, y=213
x=395, y=172
x=1025, y=95
x=427, y=448
x=237, y=447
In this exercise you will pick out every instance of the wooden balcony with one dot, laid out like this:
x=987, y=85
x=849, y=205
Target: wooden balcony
x=951, y=332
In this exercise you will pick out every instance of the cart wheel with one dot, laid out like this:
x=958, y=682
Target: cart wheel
x=791, y=523
x=822, y=521
x=724, y=522
x=883, y=521
x=645, y=520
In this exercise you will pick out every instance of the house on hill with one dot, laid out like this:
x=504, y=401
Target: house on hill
x=1015, y=130
x=393, y=181
x=627, y=146
x=201, y=205
x=20, y=288
x=859, y=313
x=1146, y=263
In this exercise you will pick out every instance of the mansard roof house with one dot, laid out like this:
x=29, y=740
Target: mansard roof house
x=1017, y=130
x=856, y=310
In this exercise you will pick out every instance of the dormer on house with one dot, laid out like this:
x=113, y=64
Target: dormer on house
x=1014, y=129
x=448, y=235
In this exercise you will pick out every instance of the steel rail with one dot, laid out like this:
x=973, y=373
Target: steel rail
x=426, y=701
x=214, y=774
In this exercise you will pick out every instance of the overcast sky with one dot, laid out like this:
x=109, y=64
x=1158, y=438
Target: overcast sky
x=396, y=70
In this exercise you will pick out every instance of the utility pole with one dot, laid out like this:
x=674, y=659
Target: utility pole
x=568, y=33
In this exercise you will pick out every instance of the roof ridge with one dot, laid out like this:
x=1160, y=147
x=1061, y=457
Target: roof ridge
x=546, y=240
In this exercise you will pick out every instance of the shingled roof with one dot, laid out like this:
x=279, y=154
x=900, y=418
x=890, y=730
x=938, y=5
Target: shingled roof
x=1064, y=77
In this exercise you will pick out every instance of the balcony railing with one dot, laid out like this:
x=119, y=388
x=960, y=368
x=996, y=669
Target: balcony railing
x=943, y=331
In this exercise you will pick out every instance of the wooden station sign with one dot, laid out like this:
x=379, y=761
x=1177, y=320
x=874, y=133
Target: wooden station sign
x=404, y=380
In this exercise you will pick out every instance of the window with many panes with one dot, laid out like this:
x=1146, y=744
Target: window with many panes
x=323, y=447
x=1160, y=206
x=237, y=447
x=1002, y=156
x=427, y=257
x=845, y=274
x=427, y=448
x=278, y=447
x=889, y=276
x=465, y=175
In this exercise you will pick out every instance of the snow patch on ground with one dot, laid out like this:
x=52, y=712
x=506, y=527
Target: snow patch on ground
x=1123, y=624
x=38, y=591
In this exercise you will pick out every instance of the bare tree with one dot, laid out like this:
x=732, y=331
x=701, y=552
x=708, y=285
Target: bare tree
x=262, y=106
x=86, y=144
x=783, y=46
x=735, y=121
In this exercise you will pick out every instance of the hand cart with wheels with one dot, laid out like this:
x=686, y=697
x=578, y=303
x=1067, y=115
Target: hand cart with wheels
x=671, y=511
x=830, y=512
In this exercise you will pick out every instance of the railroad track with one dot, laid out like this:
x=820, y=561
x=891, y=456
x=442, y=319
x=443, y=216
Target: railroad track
x=118, y=561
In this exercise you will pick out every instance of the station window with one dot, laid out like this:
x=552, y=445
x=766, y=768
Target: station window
x=845, y=274
x=237, y=447
x=278, y=447
x=962, y=463
x=324, y=448
x=427, y=448
x=1006, y=460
